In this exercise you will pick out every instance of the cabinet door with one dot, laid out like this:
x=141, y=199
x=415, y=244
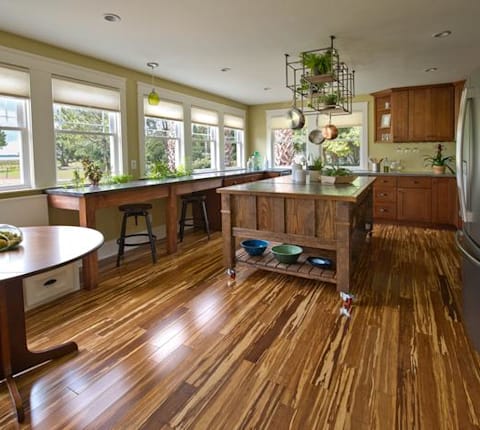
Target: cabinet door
x=418, y=114
x=444, y=201
x=414, y=204
x=440, y=125
x=400, y=118
x=431, y=112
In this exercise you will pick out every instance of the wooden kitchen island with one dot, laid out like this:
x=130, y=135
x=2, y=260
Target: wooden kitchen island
x=326, y=220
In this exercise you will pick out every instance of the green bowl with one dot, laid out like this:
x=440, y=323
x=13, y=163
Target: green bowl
x=287, y=254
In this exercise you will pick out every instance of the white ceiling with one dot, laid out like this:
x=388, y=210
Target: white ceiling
x=387, y=43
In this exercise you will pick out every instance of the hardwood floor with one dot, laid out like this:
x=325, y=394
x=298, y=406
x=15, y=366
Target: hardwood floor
x=173, y=345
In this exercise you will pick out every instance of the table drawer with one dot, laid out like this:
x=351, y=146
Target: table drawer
x=385, y=211
x=414, y=182
x=385, y=181
x=47, y=286
x=385, y=195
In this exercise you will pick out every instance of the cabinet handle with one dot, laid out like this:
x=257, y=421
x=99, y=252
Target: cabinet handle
x=415, y=182
x=383, y=210
x=383, y=194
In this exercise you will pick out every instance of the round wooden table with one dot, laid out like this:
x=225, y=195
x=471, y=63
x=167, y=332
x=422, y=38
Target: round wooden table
x=43, y=248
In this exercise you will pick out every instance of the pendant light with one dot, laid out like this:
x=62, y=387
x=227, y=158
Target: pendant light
x=153, y=97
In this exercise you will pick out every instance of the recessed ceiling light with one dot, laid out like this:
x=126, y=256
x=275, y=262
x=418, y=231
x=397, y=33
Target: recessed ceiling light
x=431, y=69
x=111, y=17
x=225, y=69
x=444, y=33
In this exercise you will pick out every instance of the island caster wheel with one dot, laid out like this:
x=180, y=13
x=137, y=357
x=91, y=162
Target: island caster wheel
x=346, y=308
x=232, y=274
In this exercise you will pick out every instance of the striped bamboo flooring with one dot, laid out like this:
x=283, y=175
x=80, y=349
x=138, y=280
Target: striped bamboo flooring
x=175, y=345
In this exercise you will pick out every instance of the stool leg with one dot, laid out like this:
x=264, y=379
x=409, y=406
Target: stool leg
x=205, y=219
x=121, y=240
x=182, y=219
x=151, y=237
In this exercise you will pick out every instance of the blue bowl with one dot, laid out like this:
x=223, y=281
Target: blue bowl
x=254, y=247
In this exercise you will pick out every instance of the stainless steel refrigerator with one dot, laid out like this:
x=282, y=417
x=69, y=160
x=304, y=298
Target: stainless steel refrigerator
x=468, y=182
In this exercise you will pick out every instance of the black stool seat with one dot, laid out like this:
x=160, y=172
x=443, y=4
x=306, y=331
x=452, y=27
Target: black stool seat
x=200, y=200
x=136, y=210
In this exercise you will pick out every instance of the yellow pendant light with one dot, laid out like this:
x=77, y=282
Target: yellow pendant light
x=153, y=97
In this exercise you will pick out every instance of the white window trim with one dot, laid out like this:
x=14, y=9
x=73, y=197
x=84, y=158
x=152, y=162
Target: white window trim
x=42, y=141
x=361, y=107
x=187, y=101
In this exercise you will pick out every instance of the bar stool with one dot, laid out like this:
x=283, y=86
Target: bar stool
x=136, y=210
x=193, y=199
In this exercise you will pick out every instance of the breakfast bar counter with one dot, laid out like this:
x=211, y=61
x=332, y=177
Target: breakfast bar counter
x=331, y=220
x=88, y=199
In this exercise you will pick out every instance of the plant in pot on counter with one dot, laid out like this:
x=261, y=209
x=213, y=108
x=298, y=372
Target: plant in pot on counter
x=315, y=166
x=439, y=162
x=337, y=175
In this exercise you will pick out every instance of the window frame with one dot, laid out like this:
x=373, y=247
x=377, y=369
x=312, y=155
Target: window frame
x=143, y=89
x=310, y=124
x=41, y=69
x=25, y=133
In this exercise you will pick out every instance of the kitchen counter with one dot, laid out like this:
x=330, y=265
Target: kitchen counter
x=146, y=183
x=87, y=200
x=284, y=186
x=404, y=173
x=326, y=220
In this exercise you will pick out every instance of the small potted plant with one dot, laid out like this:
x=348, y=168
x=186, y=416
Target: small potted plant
x=337, y=175
x=319, y=64
x=315, y=169
x=92, y=170
x=439, y=163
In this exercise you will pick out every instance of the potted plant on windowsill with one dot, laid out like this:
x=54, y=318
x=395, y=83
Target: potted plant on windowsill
x=438, y=162
x=93, y=171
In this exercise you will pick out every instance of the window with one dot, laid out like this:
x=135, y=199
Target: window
x=287, y=145
x=349, y=149
x=163, y=134
x=233, y=141
x=87, y=123
x=14, y=128
x=204, y=139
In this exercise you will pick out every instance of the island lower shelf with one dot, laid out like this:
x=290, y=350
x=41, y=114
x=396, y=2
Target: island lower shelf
x=302, y=268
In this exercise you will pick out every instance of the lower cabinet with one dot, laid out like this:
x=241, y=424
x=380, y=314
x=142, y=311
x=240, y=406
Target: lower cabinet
x=416, y=200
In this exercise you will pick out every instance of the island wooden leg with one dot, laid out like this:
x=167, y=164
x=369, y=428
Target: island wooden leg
x=227, y=232
x=344, y=254
x=15, y=356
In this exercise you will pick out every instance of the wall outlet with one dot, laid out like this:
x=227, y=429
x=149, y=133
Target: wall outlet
x=133, y=164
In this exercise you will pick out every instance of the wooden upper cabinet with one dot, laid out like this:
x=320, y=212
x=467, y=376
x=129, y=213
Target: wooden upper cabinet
x=420, y=114
x=400, y=119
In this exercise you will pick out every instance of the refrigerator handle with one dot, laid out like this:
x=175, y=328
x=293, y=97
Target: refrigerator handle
x=463, y=251
x=459, y=155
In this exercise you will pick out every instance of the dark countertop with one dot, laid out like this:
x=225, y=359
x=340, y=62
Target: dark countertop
x=141, y=183
x=403, y=173
x=284, y=185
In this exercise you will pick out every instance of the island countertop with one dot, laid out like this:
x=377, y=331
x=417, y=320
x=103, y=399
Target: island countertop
x=284, y=186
